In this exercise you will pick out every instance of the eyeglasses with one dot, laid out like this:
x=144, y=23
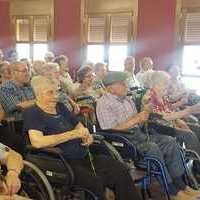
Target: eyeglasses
x=90, y=75
x=22, y=71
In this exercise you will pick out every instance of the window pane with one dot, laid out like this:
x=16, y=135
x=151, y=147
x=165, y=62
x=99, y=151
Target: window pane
x=119, y=28
x=95, y=53
x=22, y=30
x=39, y=51
x=191, y=60
x=192, y=83
x=40, y=29
x=117, y=55
x=96, y=29
x=23, y=50
x=192, y=27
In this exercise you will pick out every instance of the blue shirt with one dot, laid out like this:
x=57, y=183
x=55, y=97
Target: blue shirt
x=49, y=124
x=12, y=94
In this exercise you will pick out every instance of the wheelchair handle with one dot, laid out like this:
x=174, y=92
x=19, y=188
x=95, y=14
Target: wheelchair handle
x=98, y=137
x=81, y=98
x=112, y=131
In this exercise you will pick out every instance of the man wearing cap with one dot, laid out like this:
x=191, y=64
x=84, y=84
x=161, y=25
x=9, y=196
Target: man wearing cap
x=118, y=112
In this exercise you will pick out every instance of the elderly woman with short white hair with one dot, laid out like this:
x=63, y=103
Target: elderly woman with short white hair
x=154, y=101
x=52, y=71
x=50, y=124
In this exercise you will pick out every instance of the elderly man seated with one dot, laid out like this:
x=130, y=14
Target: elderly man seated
x=14, y=163
x=16, y=94
x=117, y=111
x=50, y=124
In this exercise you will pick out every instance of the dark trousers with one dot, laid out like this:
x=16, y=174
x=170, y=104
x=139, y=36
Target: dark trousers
x=11, y=138
x=109, y=173
x=165, y=149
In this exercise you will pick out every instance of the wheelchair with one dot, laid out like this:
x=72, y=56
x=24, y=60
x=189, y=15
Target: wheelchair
x=152, y=167
x=46, y=174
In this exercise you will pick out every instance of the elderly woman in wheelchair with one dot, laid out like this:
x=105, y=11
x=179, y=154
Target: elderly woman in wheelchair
x=117, y=111
x=171, y=122
x=50, y=124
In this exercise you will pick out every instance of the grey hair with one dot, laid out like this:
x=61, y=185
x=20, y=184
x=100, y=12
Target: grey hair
x=48, y=67
x=151, y=79
x=40, y=84
x=49, y=54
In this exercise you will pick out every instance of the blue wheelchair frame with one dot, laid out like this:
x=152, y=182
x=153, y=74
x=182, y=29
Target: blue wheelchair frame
x=151, y=165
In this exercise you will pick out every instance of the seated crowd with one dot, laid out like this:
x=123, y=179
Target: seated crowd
x=44, y=97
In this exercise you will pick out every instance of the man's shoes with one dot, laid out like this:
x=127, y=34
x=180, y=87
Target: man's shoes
x=189, y=191
x=182, y=196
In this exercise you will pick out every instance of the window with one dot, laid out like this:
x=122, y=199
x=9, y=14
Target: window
x=117, y=55
x=32, y=36
x=191, y=49
x=95, y=53
x=108, y=39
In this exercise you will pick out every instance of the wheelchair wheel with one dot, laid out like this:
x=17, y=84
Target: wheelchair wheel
x=35, y=184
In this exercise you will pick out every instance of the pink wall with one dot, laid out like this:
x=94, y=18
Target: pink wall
x=156, y=31
x=5, y=32
x=67, y=30
x=155, y=37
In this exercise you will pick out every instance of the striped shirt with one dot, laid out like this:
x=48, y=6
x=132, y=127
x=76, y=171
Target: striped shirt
x=12, y=94
x=112, y=110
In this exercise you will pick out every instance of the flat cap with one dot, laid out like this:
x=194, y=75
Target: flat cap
x=114, y=77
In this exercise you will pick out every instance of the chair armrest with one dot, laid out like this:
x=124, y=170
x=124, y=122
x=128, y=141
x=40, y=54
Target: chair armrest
x=114, y=132
x=50, y=150
x=98, y=137
x=81, y=98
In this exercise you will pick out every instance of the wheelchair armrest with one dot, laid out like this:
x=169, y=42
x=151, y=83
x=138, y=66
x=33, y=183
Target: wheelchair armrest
x=81, y=98
x=56, y=152
x=98, y=137
x=112, y=131
x=50, y=150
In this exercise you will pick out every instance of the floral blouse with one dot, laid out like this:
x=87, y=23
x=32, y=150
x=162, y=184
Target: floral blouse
x=152, y=104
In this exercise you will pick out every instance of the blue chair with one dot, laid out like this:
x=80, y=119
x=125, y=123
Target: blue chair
x=151, y=165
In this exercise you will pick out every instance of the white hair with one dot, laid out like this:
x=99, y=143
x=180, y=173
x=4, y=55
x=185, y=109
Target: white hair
x=40, y=84
x=153, y=78
x=48, y=67
x=49, y=54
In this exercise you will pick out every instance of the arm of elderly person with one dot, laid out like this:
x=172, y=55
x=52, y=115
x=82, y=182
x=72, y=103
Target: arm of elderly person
x=14, y=164
x=179, y=103
x=107, y=118
x=39, y=140
x=178, y=115
x=195, y=109
x=132, y=121
x=25, y=104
